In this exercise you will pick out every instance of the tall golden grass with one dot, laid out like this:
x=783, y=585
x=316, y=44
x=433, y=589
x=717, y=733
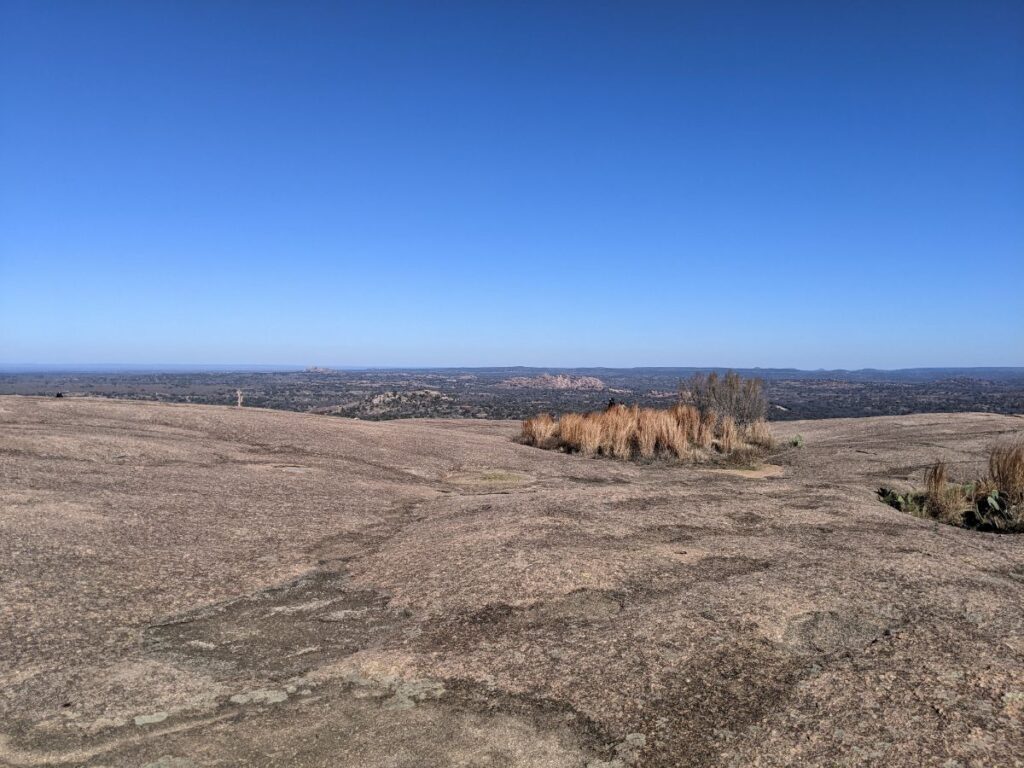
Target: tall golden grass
x=1006, y=470
x=540, y=431
x=728, y=434
x=757, y=433
x=631, y=432
x=994, y=502
x=946, y=501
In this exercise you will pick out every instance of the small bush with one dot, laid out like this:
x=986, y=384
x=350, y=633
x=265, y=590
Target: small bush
x=993, y=503
x=797, y=441
x=912, y=503
x=730, y=395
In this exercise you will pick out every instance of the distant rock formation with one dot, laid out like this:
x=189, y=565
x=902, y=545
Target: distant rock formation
x=561, y=381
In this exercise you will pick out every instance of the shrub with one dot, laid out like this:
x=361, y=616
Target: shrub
x=797, y=441
x=993, y=503
x=730, y=395
x=911, y=503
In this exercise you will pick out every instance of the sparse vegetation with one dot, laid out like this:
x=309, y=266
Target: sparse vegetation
x=732, y=396
x=725, y=417
x=994, y=503
x=796, y=441
x=758, y=433
x=485, y=393
x=1006, y=470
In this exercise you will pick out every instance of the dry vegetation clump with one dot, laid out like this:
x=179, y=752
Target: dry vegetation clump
x=540, y=431
x=686, y=430
x=706, y=429
x=946, y=501
x=993, y=503
x=757, y=433
x=728, y=434
x=729, y=395
x=688, y=419
x=1006, y=470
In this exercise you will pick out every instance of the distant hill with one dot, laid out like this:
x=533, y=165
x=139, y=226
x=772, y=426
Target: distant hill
x=561, y=381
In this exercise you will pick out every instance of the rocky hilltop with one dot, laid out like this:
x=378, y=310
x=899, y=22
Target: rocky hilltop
x=187, y=586
x=560, y=382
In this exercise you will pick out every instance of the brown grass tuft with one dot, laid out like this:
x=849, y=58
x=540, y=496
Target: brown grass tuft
x=1006, y=470
x=946, y=502
x=706, y=429
x=757, y=433
x=728, y=435
x=540, y=431
x=992, y=503
x=647, y=433
x=631, y=432
x=590, y=435
x=688, y=419
x=570, y=431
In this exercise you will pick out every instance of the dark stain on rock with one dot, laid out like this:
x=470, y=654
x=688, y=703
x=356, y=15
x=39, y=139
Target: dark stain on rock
x=286, y=630
x=712, y=701
x=830, y=632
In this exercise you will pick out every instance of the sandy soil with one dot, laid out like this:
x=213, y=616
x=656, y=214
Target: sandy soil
x=188, y=586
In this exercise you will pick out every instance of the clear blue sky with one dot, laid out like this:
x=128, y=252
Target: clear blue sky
x=818, y=184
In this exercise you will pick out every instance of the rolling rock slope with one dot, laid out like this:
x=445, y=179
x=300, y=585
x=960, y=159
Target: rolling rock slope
x=187, y=586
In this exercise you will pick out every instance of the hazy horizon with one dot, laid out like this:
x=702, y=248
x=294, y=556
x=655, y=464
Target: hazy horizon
x=284, y=368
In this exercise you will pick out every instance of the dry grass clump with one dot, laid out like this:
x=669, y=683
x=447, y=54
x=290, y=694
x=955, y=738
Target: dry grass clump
x=715, y=414
x=706, y=429
x=1006, y=470
x=728, y=434
x=631, y=432
x=946, y=502
x=688, y=419
x=992, y=503
x=757, y=433
x=540, y=431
